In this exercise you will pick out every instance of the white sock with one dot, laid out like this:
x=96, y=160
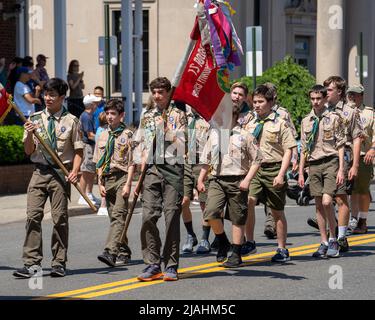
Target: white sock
x=325, y=243
x=363, y=215
x=342, y=232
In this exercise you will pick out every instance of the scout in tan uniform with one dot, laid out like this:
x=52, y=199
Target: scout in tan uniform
x=276, y=144
x=60, y=130
x=113, y=158
x=322, y=149
x=163, y=185
x=198, y=134
x=336, y=90
x=233, y=166
x=360, y=198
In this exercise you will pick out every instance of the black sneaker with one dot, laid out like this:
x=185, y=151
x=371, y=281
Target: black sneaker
x=313, y=222
x=343, y=244
x=58, y=272
x=282, y=255
x=234, y=261
x=122, y=259
x=222, y=252
x=108, y=259
x=249, y=247
x=27, y=271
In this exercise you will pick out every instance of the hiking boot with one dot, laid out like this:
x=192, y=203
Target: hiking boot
x=170, y=274
x=234, y=261
x=215, y=244
x=204, y=247
x=28, y=271
x=108, y=259
x=249, y=247
x=190, y=243
x=361, y=227
x=222, y=252
x=282, y=255
x=321, y=252
x=333, y=249
x=58, y=272
x=313, y=222
x=343, y=244
x=150, y=273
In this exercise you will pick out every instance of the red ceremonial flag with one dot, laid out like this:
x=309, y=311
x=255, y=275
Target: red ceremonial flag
x=5, y=106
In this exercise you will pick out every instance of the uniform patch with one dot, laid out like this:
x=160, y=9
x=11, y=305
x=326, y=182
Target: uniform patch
x=327, y=120
x=346, y=113
x=171, y=119
x=63, y=129
x=123, y=140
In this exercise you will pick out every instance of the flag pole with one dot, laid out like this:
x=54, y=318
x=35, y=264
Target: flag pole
x=54, y=156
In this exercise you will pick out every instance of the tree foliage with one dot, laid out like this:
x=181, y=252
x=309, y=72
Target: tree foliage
x=11, y=146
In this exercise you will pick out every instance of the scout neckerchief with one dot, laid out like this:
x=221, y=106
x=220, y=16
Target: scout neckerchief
x=259, y=128
x=52, y=132
x=105, y=160
x=310, y=142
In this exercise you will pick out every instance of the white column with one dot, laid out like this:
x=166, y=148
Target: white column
x=60, y=39
x=330, y=39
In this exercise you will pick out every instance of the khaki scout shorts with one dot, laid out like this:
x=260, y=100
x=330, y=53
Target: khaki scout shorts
x=191, y=175
x=226, y=191
x=365, y=174
x=262, y=188
x=323, y=174
x=88, y=165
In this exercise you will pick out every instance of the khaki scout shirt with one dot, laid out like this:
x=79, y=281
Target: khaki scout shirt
x=351, y=120
x=236, y=157
x=367, y=118
x=275, y=139
x=152, y=123
x=285, y=115
x=122, y=157
x=330, y=137
x=68, y=135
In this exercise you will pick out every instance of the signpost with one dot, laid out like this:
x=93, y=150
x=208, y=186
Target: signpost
x=254, y=53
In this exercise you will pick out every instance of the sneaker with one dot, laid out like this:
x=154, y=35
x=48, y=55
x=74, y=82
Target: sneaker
x=108, y=259
x=234, y=261
x=343, y=244
x=122, y=260
x=190, y=243
x=222, y=252
x=321, y=252
x=249, y=247
x=102, y=212
x=270, y=233
x=361, y=227
x=353, y=223
x=96, y=201
x=28, y=271
x=58, y=272
x=333, y=249
x=170, y=274
x=282, y=255
x=215, y=244
x=152, y=272
x=313, y=222
x=204, y=247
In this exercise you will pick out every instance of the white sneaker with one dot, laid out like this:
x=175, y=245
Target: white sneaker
x=82, y=201
x=96, y=201
x=353, y=223
x=102, y=212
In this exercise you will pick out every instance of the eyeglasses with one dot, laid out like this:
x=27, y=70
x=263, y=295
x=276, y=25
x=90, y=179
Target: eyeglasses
x=51, y=96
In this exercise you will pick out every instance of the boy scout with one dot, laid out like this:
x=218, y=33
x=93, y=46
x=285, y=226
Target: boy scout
x=113, y=158
x=163, y=184
x=232, y=172
x=336, y=91
x=322, y=148
x=60, y=130
x=276, y=144
x=360, y=198
x=198, y=134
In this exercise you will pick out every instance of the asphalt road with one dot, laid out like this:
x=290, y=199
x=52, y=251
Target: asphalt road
x=348, y=277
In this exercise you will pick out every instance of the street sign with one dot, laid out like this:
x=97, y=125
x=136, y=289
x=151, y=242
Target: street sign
x=112, y=51
x=365, y=66
x=254, y=53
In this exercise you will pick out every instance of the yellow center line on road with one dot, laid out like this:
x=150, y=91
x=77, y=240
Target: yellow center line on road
x=133, y=283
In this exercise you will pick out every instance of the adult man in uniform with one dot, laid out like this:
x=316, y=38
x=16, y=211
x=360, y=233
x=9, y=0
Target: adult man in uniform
x=60, y=130
x=163, y=184
x=360, y=198
x=114, y=161
x=233, y=166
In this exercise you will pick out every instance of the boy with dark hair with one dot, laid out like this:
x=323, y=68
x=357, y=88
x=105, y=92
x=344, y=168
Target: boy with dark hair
x=60, y=130
x=322, y=149
x=114, y=161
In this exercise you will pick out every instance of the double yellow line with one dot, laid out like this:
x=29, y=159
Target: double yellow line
x=133, y=283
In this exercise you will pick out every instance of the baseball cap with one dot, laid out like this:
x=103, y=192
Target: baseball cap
x=90, y=98
x=358, y=88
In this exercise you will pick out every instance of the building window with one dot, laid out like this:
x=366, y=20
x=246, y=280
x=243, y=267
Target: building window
x=302, y=52
x=117, y=32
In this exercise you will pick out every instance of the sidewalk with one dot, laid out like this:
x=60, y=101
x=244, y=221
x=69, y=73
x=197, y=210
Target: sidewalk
x=13, y=207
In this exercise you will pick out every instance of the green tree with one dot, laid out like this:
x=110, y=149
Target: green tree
x=11, y=146
x=293, y=83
